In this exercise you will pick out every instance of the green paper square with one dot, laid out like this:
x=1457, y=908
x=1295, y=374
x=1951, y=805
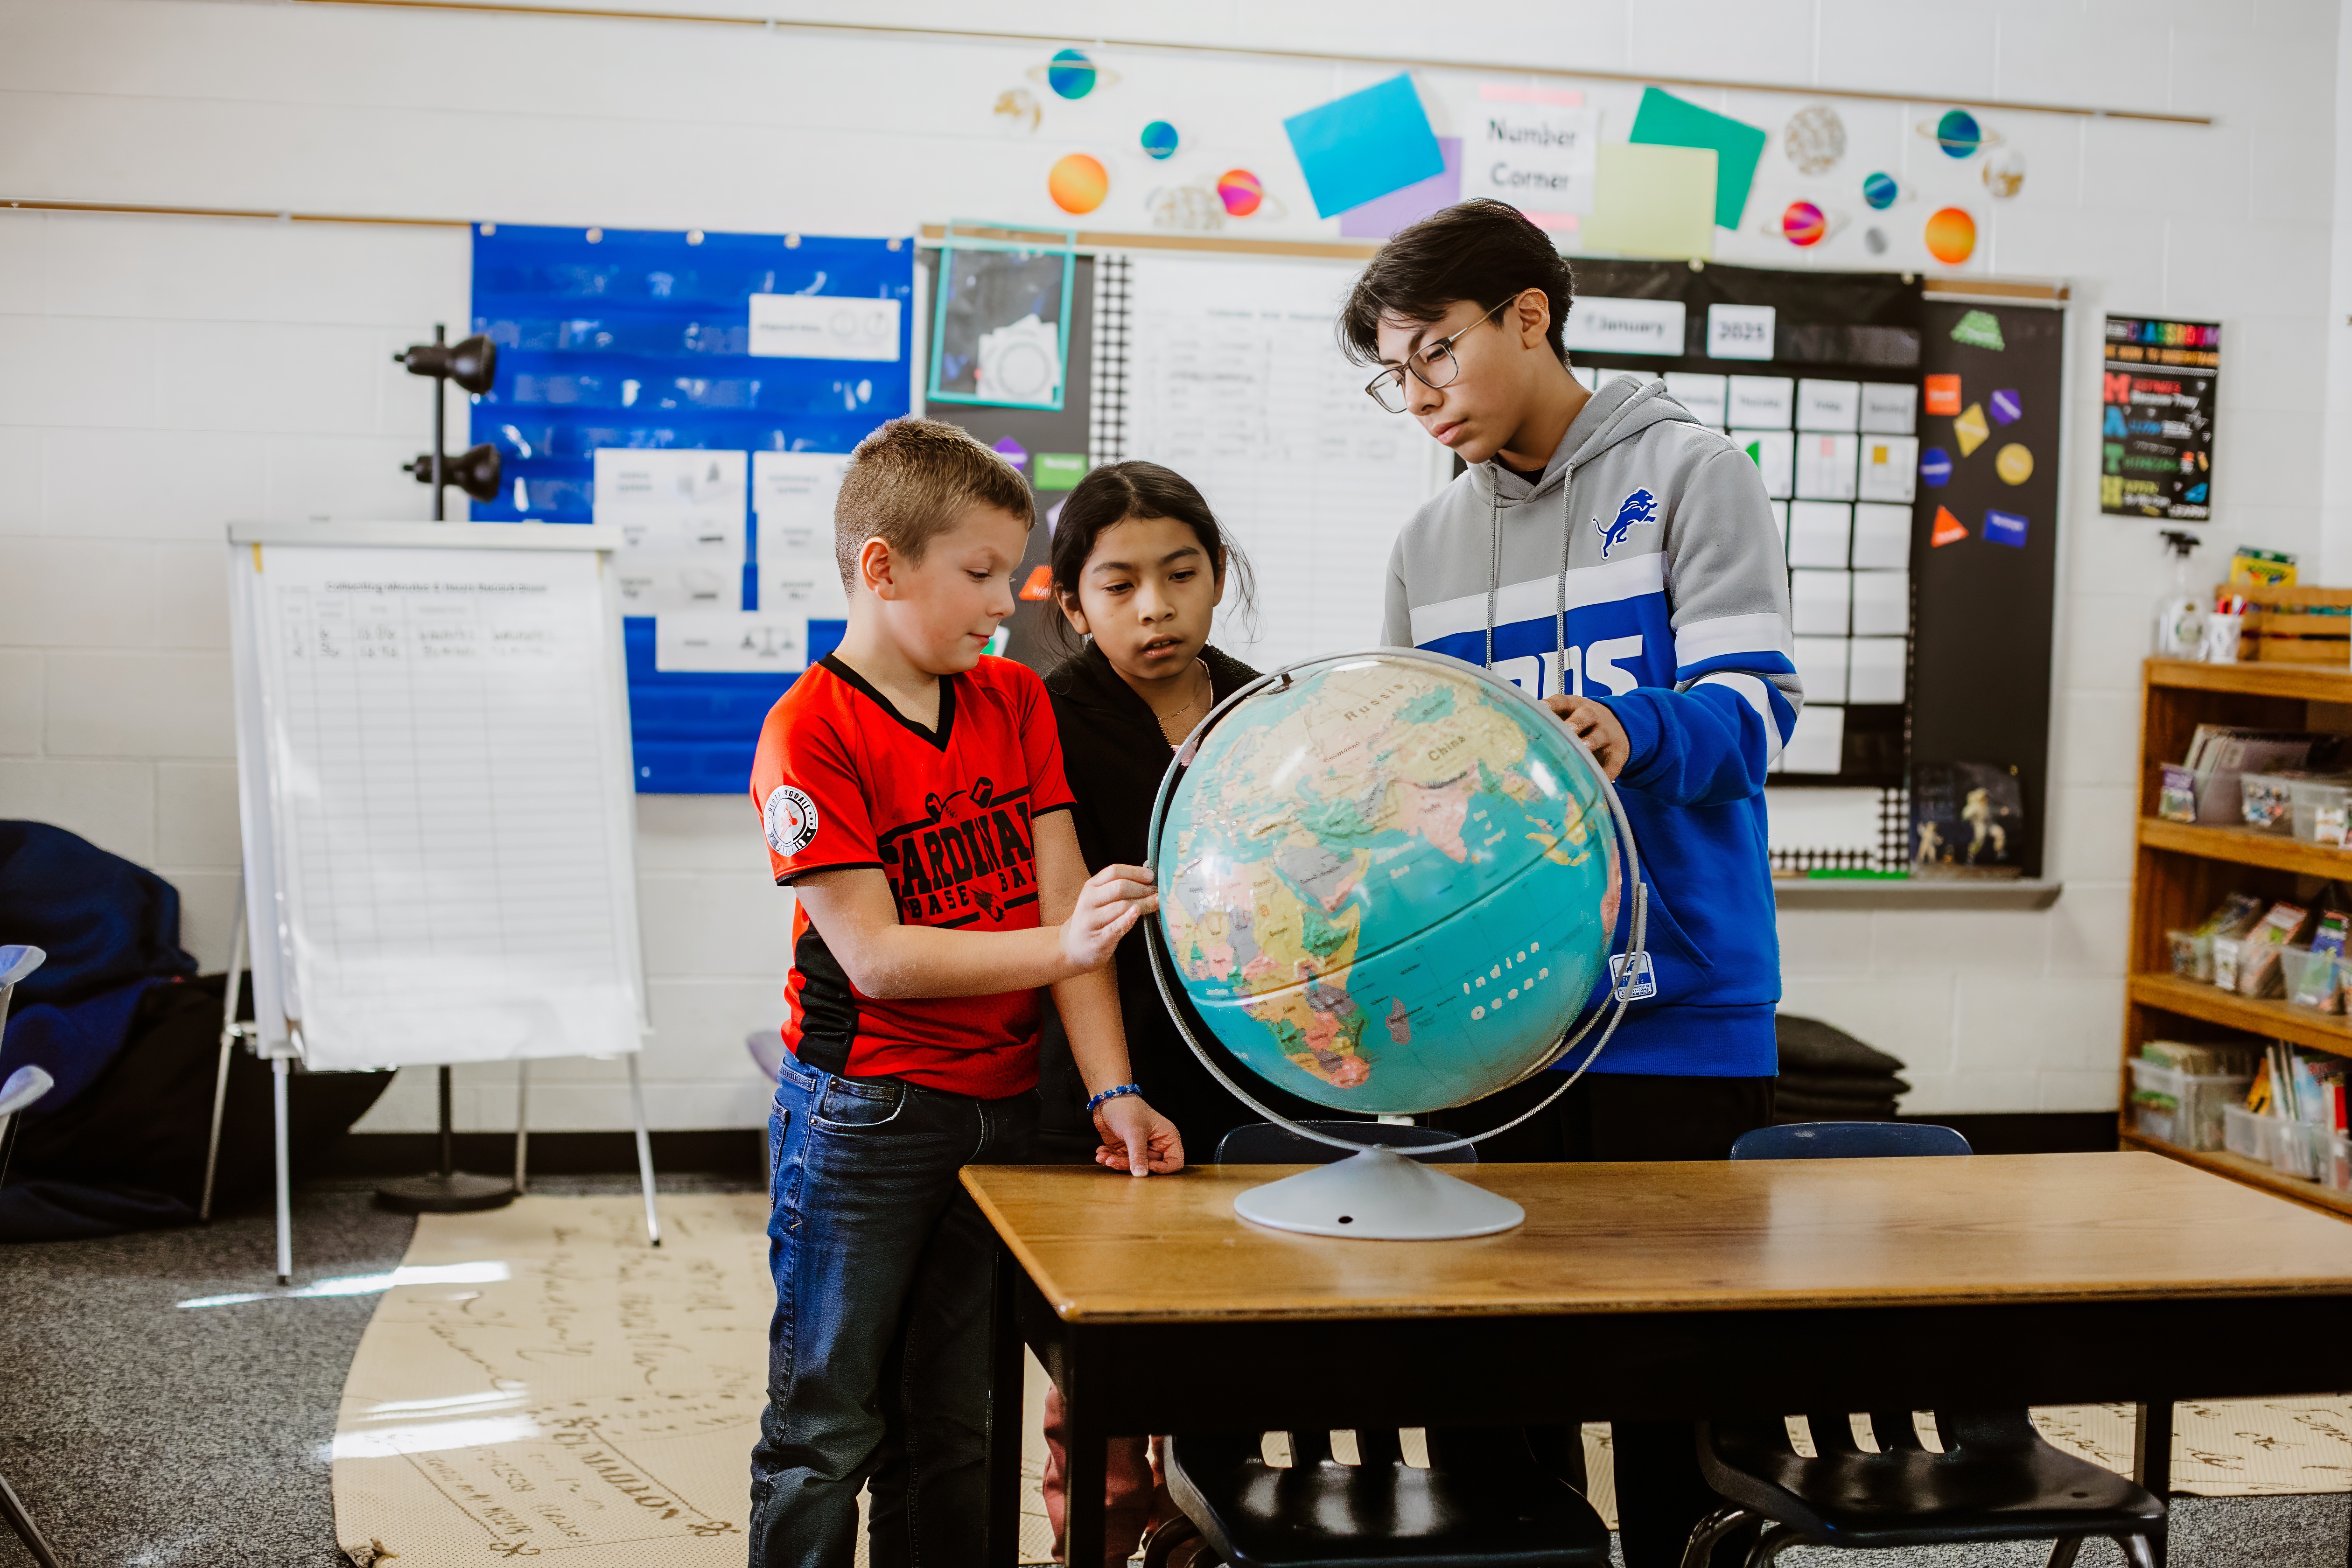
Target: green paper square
x=1060, y=470
x=1665, y=120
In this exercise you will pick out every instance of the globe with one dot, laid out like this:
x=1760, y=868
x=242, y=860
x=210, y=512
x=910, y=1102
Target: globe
x=1388, y=881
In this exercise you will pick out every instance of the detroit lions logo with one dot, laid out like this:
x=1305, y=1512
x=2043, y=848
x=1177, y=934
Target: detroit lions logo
x=1640, y=507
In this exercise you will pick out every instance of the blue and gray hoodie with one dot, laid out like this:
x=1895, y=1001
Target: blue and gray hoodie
x=1647, y=548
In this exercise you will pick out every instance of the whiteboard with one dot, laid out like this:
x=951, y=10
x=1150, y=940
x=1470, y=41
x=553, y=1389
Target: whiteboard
x=434, y=783
x=1236, y=380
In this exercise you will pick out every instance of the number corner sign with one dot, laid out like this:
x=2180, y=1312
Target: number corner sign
x=1740, y=331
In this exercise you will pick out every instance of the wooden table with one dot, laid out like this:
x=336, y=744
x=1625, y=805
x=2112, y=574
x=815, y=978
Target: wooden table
x=1654, y=1291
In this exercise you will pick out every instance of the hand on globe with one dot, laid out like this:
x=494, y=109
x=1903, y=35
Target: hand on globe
x=1110, y=903
x=1136, y=1139
x=1593, y=723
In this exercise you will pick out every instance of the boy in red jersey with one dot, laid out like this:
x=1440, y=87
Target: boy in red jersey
x=911, y=793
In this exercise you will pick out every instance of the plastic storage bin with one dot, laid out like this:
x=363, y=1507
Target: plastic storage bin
x=2193, y=954
x=2310, y=977
x=2294, y=1149
x=2182, y=1107
x=2267, y=801
x=2331, y=790
x=2335, y=1161
x=2244, y=1132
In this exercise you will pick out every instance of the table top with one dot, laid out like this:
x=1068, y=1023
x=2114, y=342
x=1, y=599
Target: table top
x=1686, y=1237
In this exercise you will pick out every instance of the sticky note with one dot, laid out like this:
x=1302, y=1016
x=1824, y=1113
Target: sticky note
x=1665, y=120
x=1060, y=470
x=2005, y=527
x=1383, y=216
x=1949, y=529
x=1359, y=148
x=1652, y=201
x=1943, y=394
x=1970, y=430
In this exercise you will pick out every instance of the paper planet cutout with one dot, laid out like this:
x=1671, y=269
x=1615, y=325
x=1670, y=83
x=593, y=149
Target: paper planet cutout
x=2006, y=407
x=1016, y=107
x=1077, y=183
x=1240, y=191
x=1936, y=467
x=1874, y=241
x=1951, y=236
x=1802, y=224
x=2004, y=174
x=1071, y=75
x=1880, y=190
x=2013, y=463
x=1816, y=139
x=1958, y=134
x=1160, y=140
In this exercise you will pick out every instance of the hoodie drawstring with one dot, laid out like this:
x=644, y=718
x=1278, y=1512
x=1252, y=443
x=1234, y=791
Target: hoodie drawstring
x=1494, y=574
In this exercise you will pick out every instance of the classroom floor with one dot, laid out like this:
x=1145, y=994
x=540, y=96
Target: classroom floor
x=147, y=1433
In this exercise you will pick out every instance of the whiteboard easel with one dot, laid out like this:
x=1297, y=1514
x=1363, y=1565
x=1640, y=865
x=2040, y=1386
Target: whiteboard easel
x=434, y=792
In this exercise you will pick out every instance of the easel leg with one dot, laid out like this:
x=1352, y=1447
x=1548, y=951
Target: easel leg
x=2152, y=1457
x=280, y=1068
x=645, y=1152
x=522, y=1128
x=227, y=1042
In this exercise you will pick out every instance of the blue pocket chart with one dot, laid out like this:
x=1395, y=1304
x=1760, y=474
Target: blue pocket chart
x=635, y=338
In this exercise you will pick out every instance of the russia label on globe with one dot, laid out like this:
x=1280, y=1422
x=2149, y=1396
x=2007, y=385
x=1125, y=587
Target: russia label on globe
x=1388, y=886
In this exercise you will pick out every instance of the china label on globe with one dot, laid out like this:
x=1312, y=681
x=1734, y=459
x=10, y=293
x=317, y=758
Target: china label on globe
x=1388, y=886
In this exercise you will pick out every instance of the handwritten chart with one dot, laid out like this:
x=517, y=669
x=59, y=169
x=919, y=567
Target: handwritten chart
x=1236, y=382
x=447, y=786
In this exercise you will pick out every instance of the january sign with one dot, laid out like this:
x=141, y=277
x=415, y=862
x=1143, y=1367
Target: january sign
x=2155, y=435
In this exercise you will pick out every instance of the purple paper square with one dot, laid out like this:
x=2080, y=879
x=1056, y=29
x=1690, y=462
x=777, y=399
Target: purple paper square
x=1383, y=216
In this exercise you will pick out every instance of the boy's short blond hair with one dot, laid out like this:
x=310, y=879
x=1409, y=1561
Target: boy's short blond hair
x=912, y=480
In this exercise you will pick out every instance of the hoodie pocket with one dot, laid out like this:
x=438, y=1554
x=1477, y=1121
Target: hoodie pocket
x=1680, y=966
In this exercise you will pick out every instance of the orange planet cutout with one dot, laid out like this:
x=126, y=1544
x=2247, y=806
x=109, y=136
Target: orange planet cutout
x=1077, y=183
x=1951, y=236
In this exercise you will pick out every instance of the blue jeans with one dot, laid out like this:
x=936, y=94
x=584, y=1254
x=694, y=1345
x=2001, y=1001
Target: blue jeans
x=879, y=1356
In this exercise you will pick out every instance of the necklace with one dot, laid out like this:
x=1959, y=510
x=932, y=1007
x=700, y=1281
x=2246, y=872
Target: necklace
x=1172, y=716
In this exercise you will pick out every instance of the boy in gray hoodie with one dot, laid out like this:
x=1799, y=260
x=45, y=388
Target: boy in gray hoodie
x=1619, y=561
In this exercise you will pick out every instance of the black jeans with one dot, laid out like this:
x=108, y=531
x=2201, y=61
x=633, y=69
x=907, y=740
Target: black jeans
x=1661, y=1495
x=878, y=1358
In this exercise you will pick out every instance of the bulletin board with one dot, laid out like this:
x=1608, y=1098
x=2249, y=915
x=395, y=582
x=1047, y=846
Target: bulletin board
x=668, y=341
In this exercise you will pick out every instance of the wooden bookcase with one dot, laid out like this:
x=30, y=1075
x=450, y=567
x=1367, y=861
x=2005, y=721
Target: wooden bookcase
x=2182, y=872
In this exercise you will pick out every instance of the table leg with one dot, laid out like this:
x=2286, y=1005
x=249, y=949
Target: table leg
x=1004, y=1417
x=2152, y=1455
x=1085, y=1472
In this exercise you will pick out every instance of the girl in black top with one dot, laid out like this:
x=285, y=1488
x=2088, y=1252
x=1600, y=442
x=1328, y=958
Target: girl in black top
x=1140, y=566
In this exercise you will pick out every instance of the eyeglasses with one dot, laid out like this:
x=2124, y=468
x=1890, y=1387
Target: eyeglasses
x=1432, y=364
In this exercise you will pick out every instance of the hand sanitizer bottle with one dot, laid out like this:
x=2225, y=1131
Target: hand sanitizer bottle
x=2179, y=614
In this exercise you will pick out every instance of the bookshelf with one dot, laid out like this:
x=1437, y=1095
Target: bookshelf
x=2182, y=871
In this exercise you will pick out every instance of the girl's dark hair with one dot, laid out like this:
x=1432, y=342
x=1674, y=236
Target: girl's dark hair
x=1111, y=494
x=1482, y=249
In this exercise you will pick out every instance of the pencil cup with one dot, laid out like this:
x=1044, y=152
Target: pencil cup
x=2223, y=632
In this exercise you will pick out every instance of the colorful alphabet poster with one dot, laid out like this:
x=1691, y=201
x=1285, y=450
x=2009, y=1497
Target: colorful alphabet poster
x=2155, y=435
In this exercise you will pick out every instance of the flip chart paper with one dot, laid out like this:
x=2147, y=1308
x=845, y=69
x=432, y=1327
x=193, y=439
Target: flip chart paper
x=1667, y=120
x=1359, y=148
x=1652, y=201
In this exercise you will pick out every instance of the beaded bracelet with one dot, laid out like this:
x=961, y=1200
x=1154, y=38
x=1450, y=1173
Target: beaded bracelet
x=1112, y=1093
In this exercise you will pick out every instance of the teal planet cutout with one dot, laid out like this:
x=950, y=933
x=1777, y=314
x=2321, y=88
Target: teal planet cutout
x=1159, y=138
x=1880, y=191
x=1958, y=133
x=1071, y=75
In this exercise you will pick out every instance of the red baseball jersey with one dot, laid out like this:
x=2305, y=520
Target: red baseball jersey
x=842, y=779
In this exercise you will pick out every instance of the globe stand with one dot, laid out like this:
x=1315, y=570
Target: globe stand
x=1379, y=1195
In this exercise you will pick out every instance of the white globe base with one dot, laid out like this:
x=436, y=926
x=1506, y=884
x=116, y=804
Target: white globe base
x=1379, y=1195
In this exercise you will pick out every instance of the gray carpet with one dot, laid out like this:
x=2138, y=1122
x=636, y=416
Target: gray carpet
x=145, y=1434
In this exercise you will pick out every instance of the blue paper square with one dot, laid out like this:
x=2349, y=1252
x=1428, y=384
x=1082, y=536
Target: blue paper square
x=2005, y=527
x=1359, y=148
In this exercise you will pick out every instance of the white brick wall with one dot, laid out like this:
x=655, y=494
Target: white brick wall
x=159, y=376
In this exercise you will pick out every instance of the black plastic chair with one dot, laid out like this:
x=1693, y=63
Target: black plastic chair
x=1996, y=1479
x=1491, y=1498
x=24, y=1086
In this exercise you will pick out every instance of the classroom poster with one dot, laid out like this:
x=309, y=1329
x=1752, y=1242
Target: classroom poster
x=2156, y=427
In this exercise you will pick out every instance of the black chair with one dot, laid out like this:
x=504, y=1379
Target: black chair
x=24, y=1086
x=1491, y=1498
x=1996, y=1479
